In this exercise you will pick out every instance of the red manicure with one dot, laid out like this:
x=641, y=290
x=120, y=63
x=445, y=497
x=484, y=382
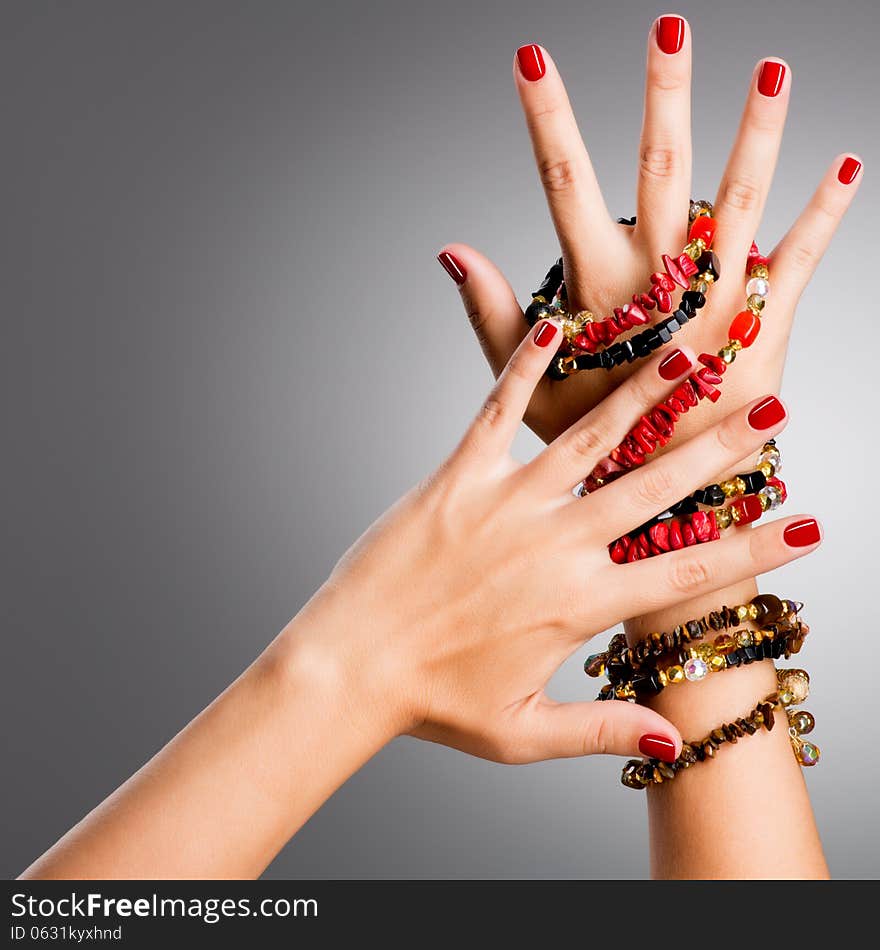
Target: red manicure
x=771, y=78
x=544, y=333
x=675, y=365
x=767, y=413
x=670, y=33
x=849, y=168
x=657, y=747
x=801, y=533
x=531, y=62
x=453, y=266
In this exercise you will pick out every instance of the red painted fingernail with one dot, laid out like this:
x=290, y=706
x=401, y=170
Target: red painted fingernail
x=849, y=168
x=670, y=33
x=544, y=333
x=531, y=62
x=771, y=78
x=657, y=747
x=767, y=413
x=453, y=266
x=801, y=533
x=675, y=365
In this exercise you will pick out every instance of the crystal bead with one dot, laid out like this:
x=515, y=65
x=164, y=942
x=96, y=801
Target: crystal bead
x=675, y=674
x=755, y=302
x=695, y=669
x=724, y=644
x=744, y=638
x=705, y=651
x=758, y=286
x=808, y=754
x=717, y=663
x=773, y=496
x=773, y=457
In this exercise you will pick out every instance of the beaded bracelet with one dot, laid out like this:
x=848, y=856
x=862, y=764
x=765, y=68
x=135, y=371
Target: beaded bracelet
x=683, y=524
x=763, y=609
x=697, y=662
x=697, y=267
x=793, y=688
x=657, y=428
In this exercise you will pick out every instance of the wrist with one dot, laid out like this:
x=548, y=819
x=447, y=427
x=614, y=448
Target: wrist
x=329, y=652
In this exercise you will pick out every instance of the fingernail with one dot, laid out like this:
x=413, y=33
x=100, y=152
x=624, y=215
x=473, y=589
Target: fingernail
x=849, y=168
x=670, y=33
x=453, y=266
x=767, y=413
x=657, y=747
x=531, y=62
x=675, y=365
x=771, y=78
x=801, y=533
x=544, y=332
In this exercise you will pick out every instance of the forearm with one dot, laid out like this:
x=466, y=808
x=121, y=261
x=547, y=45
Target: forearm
x=746, y=814
x=225, y=795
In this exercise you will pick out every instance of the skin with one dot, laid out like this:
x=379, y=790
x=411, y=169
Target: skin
x=445, y=621
x=604, y=263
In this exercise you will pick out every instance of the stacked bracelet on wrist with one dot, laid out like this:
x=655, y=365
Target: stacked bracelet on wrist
x=793, y=688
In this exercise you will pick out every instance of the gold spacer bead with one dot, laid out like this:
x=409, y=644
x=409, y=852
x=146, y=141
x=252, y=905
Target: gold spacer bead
x=765, y=502
x=753, y=612
x=734, y=345
x=717, y=663
x=744, y=638
x=766, y=469
x=760, y=270
x=661, y=676
x=539, y=299
x=708, y=278
x=739, y=484
x=728, y=486
x=723, y=518
x=727, y=353
x=675, y=674
x=742, y=613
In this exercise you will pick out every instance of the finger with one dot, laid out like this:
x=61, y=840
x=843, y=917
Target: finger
x=662, y=581
x=562, y=730
x=489, y=302
x=644, y=493
x=574, y=453
x=492, y=431
x=749, y=173
x=576, y=205
x=664, y=183
x=798, y=254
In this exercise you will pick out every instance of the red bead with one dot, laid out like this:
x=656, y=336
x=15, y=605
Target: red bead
x=583, y=342
x=780, y=484
x=659, y=534
x=663, y=298
x=703, y=227
x=632, y=554
x=715, y=363
x=636, y=315
x=686, y=265
x=687, y=535
x=703, y=388
x=676, y=541
x=702, y=527
x=646, y=300
x=716, y=534
x=618, y=551
x=748, y=509
x=674, y=271
x=663, y=281
x=745, y=327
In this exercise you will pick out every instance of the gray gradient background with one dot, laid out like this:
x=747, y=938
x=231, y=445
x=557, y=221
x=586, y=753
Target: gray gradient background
x=211, y=386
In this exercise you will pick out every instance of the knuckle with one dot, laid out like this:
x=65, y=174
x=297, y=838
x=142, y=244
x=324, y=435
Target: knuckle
x=478, y=319
x=804, y=256
x=741, y=193
x=492, y=411
x=586, y=442
x=728, y=436
x=658, y=162
x=558, y=174
x=690, y=575
x=655, y=486
x=597, y=737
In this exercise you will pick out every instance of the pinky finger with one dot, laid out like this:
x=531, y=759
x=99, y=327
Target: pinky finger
x=692, y=572
x=492, y=432
x=798, y=254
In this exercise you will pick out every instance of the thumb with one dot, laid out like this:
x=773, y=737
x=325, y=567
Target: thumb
x=563, y=730
x=489, y=301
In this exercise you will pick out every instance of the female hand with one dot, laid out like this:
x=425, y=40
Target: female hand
x=606, y=262
x=464, y=599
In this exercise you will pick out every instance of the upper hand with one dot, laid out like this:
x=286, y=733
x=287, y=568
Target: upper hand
x=606, y=262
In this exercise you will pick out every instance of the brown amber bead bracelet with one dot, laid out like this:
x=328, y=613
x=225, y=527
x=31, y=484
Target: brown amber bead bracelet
x=793, y=688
